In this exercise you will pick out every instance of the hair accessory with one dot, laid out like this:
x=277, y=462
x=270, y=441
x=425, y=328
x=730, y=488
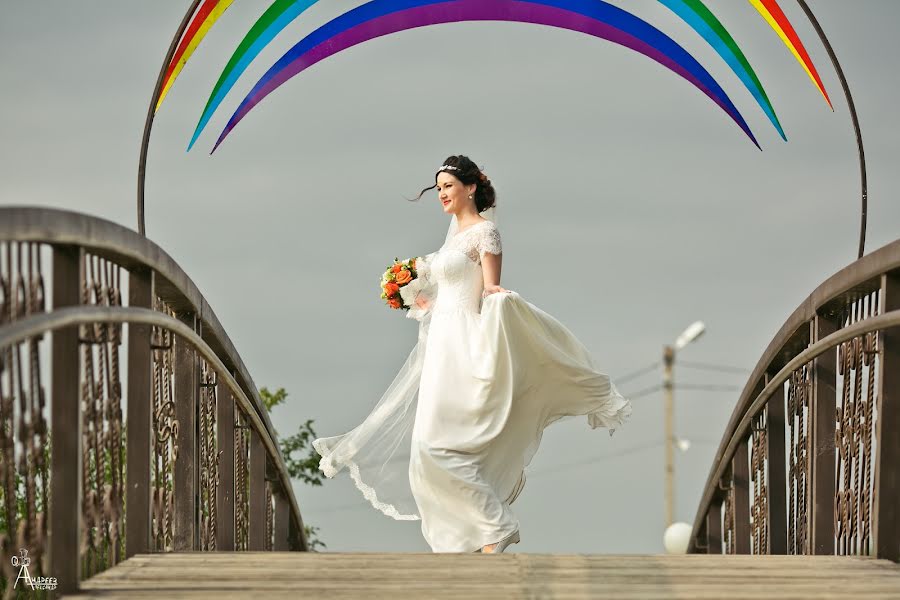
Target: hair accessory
x=448, y=168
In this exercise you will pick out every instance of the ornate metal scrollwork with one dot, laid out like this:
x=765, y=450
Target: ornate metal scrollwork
x=798, y=418
x=24, y=443
x=270, y=517
x=102, y=426
x=855, y=432
x=759, y=511
x=165, y=428
x=728, y=532
x=209, y=458
x=241, y=482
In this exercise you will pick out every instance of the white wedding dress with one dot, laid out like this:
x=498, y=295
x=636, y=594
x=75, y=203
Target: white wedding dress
x=450, y=439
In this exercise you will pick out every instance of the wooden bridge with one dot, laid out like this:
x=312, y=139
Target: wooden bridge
x=461, y=576
x=137, y=459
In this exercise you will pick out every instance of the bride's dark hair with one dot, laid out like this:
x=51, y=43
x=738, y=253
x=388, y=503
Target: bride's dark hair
x=468, y=172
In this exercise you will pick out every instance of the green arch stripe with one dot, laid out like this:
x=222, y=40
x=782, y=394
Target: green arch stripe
x=704, y=22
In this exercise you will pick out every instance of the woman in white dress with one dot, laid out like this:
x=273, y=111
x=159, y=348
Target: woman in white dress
x=450, y=439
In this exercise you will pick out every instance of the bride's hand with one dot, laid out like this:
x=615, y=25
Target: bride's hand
x=493, y=289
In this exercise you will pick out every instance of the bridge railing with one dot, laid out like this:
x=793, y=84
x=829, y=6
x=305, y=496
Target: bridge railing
x=810, y=459
x=130, y=423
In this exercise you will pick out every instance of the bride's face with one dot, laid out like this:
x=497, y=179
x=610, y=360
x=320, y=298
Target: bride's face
x=452, y=194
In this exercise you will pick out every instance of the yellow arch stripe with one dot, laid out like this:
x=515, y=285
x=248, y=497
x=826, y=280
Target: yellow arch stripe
x=787, y=42
x=210, y=20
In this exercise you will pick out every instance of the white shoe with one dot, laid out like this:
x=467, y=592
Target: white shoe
x=500, y=546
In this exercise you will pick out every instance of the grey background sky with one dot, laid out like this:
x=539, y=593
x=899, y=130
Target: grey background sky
x=629, y=206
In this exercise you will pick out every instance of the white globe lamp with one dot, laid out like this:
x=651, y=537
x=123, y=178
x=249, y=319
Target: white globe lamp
x=677, y=537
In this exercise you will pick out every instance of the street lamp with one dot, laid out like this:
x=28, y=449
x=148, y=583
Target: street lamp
x=690, y=334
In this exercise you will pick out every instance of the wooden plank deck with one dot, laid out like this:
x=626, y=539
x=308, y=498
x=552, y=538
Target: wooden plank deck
x=338, y=576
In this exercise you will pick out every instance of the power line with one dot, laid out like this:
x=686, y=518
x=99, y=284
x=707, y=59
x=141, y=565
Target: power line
x=711, y=367
x=591, y=461
x=702, y=387
x=682, y=363
x=605, y=457
x=709, y=387
x=638, y=373
x=644, y=392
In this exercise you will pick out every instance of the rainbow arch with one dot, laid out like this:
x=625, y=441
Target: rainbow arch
x=705, y=23
x=776, y=19
x=278, y=16
x=383, y=17
x=655, y=44
x=202, y=21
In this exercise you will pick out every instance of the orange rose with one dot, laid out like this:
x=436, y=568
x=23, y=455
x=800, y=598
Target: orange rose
x=395, y=269
x=403, y=277
x=391, y=288
x=395, y=302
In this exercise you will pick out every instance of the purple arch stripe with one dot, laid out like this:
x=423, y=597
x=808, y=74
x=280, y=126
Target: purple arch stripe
x=540, y=12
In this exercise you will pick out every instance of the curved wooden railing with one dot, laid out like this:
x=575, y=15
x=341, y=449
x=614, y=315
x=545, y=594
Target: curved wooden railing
x=167, y=449
x=810, y=459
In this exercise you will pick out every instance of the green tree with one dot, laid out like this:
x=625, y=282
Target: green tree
x=300, y=458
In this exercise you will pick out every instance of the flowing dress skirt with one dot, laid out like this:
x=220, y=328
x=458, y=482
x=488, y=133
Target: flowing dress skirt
x=487, y=385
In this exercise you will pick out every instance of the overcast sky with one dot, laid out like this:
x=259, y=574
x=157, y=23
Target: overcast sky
x=629, y=206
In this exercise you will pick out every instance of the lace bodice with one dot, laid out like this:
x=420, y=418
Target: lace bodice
x=456, y=271
x=476, y=240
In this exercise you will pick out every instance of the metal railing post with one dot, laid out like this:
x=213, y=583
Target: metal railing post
x=257, y=515
x=821, y=451
x=225, y=489
x=185, y=530
x=886, y=513
x=714, y=528
x=740, y=480
x=776, y=486
x=64, y=525
x=139, y=415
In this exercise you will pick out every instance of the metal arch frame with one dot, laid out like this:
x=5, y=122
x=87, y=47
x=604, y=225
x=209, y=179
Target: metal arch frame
x=19, y=331
x=151, y=111
x=852, y=107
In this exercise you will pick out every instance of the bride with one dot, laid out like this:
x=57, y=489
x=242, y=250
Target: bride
x=449, y=440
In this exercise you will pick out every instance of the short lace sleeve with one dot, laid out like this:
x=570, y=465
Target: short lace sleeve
x=488, y=240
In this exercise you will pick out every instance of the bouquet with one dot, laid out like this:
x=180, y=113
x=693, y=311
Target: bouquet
x=400, y=284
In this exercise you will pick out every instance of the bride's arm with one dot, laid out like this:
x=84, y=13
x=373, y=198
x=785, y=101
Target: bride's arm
x=491, y=251
x=491, y=265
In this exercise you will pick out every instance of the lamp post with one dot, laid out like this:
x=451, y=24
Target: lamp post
x=669, y=408
x=690, y=334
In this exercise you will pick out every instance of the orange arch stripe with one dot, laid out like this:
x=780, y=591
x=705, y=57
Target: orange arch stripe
x=203, y=20
x=774, y=16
